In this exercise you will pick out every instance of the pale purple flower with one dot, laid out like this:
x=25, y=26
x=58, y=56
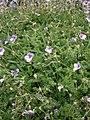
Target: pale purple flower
x=60, y=88
x=1, y=51
x=37, y=14
x=29, y=57
x=77, y=66
x=13, y=38
x=82, y=36
x=46, y=29
x=73, y=39
x=85, y=2
x=48, y=49
x=28, y=112
x=88, y=18
x=55, y=110
x=0, y=41
x=14, y=72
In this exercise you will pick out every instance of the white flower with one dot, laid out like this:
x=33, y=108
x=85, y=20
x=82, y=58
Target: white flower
x=35, y=76
x=0, y=41
x=48, y=49
x=28, y=112
x=37, y=14
x=46, y=29
x=29, y=57
x=1, y=51
x=77, y=66
x=60, y=88
x=13, y=104
x=1, y=80
x=88, y=99
x=88, y=18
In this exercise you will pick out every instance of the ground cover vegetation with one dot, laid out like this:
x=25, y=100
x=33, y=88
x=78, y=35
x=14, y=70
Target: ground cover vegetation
x=45, y=64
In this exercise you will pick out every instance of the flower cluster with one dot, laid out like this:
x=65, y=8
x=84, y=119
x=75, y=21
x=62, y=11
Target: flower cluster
x=77, y=65
x=29, y=56
x=11, y=40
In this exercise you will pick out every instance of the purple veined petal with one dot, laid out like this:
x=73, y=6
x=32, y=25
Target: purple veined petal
x=28, y=112
x=37, y=14
x=13, y=38
x=73, y=39
x=77, y=66
x=14, y=72
x=88, y=18
x=28, y=57
x=82, y=36
x=48, y=49
x=2, y=50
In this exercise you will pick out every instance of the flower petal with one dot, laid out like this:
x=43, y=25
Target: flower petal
x=28, y=112
x=1, y=51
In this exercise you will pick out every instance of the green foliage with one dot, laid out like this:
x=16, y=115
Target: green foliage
x=36, y=85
